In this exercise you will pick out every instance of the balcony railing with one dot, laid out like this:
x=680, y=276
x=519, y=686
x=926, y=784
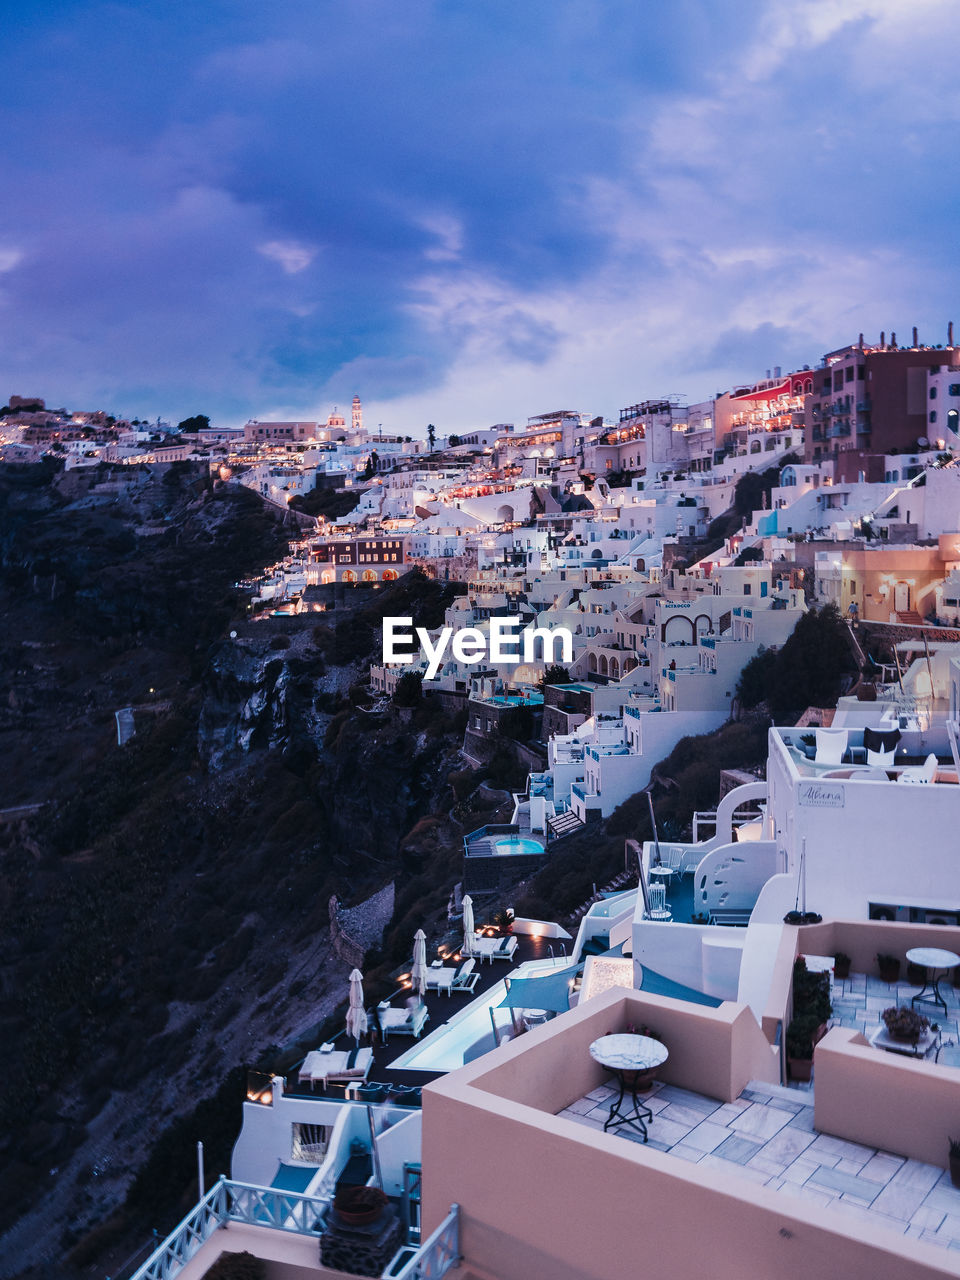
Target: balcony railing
x=233, y=1202
x=436, y=1255
x=287, y=1211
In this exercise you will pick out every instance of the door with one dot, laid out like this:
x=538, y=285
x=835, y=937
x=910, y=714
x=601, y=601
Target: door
x=901, y=597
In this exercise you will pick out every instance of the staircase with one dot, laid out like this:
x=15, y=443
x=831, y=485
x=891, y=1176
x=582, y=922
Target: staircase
x=910, y=618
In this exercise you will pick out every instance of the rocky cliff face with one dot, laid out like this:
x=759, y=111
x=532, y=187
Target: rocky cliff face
x=166, y=911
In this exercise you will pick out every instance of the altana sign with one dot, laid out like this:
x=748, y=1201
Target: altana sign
x=501, y=643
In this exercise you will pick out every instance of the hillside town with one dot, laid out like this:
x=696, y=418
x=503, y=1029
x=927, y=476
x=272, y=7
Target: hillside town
x=763, y=1004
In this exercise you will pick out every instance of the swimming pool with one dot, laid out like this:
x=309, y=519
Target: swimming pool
x=468, y=1033
x=517, y=844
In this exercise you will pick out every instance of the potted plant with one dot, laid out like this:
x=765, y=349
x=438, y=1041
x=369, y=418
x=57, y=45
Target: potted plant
x=916, y=974
x=955, y=1161
x=811, y=995
x=799, y=1043
x=503, y=919
x=642, y=1080
x=841, y=966
x=889, y=967
x=904, y=1023
x=358, y=1206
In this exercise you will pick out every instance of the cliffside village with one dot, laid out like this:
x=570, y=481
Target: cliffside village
x=767, y=1012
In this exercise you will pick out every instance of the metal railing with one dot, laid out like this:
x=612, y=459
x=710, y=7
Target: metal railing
x=233, y=1202
x=435, y=1257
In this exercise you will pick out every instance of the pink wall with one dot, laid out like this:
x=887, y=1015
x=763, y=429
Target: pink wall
x=884, y=1099
x=543, y=1196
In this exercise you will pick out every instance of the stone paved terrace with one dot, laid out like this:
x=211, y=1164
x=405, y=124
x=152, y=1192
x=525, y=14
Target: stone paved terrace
x=767, y=1136
x=859, y=1001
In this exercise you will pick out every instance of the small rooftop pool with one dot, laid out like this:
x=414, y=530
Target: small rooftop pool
x=513, y=845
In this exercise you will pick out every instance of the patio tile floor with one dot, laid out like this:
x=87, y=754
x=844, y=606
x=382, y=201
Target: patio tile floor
x=777, y=1146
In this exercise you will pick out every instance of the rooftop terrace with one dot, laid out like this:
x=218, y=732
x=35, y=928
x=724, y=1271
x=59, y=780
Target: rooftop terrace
x=767, y=1136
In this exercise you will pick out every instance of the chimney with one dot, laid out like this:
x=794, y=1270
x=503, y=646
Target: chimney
x=915, y=335
x=860, y=344
x=882, y=336
x=950, y=334
x=776, y=372
x=893, y=340
x=768, y=375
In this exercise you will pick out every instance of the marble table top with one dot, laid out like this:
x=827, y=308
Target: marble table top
x=625, y=1052
x=932, y=957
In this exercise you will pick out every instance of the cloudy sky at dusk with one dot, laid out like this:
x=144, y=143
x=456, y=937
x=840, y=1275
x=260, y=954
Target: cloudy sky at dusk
x=467, y=211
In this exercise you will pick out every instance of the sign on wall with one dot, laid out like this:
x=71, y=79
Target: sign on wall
x=821, y=795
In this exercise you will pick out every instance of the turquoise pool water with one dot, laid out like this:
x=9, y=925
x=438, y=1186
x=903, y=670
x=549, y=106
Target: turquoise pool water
x=518, y=844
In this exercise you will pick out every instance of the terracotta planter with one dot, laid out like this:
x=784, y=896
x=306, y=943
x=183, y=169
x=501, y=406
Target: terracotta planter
x=890, y=974
x=955, y=1170
x=916, y=975
x=841, y=969
x=359, y=1206
x=800, y=1068
x=641, y=1081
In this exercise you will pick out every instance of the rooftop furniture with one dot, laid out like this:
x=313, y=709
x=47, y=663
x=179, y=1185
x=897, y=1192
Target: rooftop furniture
x=466, y=978
x=495, y=948
x=831, y=744
x=629, y=1058
x=440, y=979
x=922, y=773
x=327, y=1065
x=881, y=745
x=657, y=897
x=934, y=960
x=403, y=1022
x=882, y=1039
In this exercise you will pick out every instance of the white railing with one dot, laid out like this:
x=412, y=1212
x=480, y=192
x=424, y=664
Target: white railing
x=232, y=1202
x=436, y=1255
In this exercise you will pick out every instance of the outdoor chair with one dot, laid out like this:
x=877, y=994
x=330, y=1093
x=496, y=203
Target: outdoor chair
x=357, y=1067
x=920, y=774
x=831, y=744
x=466, y=977
x=881, y=746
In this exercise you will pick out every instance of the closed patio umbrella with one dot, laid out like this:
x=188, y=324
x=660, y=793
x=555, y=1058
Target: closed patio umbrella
x=356, y=1014
x=418, y=973
x=467, y=949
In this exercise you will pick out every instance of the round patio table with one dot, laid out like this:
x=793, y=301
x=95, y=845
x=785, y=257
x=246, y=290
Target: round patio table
x=936, y=962
x=628, y=1057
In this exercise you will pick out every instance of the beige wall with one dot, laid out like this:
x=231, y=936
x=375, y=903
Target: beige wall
x=543, y=1196
x=712, y=1051
x=863, y=940
x=885, y=1100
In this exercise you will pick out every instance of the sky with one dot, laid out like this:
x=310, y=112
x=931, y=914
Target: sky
x=465, y=211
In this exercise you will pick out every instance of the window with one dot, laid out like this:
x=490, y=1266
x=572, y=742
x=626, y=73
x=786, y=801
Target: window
x=747, y=589
x=853, y=586
x=859, y=372
x=850, y=372
x=933, y=393
x=954, y=389
x=933, y=415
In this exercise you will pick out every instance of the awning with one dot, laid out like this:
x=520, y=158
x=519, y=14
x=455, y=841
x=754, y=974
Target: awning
x=551, y=992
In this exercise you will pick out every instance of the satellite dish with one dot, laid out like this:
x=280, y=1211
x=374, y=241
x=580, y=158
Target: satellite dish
x=233, y=635
x=923, y=442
